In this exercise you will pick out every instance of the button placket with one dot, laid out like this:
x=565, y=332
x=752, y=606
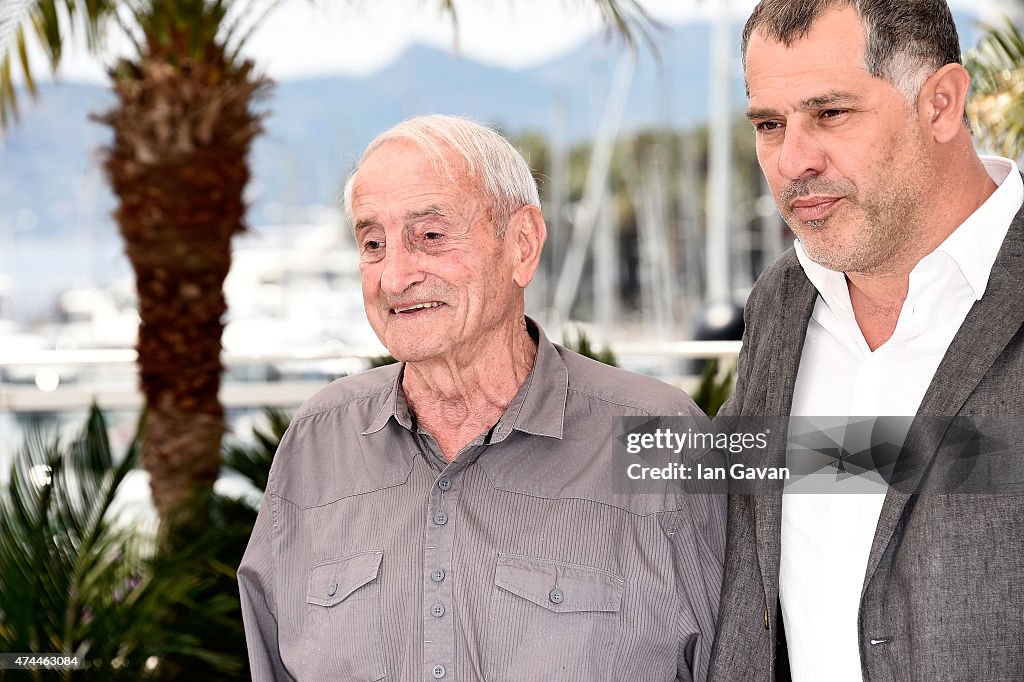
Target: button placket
x=438, y=617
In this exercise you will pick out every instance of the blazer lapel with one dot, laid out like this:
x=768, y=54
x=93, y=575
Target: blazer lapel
x=987, y=329
x=794, y=305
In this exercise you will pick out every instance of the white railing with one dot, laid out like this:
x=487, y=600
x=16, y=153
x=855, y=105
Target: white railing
x=69, y=380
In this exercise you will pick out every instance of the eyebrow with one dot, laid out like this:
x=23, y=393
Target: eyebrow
x=828, y=99
x=428, y=212
x=410, y=217
x=365, y=224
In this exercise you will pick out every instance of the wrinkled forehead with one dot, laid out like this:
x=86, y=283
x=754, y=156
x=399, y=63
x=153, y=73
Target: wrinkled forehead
x=432, y=161
x=448, y=163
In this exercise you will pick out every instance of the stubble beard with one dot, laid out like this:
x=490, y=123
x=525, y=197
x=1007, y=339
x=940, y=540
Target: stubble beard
x=874, y=229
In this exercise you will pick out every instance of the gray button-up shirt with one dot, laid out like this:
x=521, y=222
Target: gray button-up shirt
x=374, y=558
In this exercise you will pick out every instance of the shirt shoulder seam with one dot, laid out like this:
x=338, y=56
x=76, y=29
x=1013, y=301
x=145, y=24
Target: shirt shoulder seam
x=609, y=401
x=377, y=391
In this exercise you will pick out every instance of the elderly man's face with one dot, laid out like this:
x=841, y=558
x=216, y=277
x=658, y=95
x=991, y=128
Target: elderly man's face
x=437, y=281
x=845, y=155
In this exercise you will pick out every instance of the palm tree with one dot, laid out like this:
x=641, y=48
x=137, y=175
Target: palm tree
x=183, y=124
x=185, y=119
x=996, y=106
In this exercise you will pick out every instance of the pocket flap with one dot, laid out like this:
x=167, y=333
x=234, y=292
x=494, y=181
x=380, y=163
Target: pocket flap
x=557, y=585
x=332, y=581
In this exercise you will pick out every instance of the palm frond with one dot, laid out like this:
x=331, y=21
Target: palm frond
x=629, y=20
x=581, y=343
x=245, y=22
x=50, y=23
x=253, y=460
x=448, y=7
x=76, y=580
x=996, y=105
x=59, y=549
x=713, y=390
x=14, y=18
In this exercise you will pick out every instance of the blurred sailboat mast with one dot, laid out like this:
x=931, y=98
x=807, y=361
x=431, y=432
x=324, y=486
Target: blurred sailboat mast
x=719, y=157
x=585, y=214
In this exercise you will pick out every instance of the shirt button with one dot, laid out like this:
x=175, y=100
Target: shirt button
x=437, y=610
x=445, y=483
x=437, y=575
x=440, y=518
x=332, y=589
x=556, y=596
x=438, y=671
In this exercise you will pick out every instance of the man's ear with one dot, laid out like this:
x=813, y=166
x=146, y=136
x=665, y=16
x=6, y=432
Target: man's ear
x=526, y=233
x=942, y=102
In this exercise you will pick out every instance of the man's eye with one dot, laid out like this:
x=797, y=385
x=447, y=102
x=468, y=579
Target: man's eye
x=832, y=113
x=432, y=236
x=372, y=245
x=767, y=126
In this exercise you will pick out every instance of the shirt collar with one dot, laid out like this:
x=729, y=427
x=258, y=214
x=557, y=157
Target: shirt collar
x=973, y=246
x=394, y=405
x=538, y=407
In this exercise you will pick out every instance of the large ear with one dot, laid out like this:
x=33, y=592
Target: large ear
x=525, y=234
x=942, y=100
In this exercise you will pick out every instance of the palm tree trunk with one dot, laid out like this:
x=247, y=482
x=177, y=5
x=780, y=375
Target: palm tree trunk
x=178, y=165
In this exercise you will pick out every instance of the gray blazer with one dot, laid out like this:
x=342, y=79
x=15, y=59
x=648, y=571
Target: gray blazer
x=943, y=596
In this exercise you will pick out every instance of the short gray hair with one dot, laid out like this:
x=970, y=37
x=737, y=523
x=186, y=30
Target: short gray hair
x=460, y=148
x=906, y=40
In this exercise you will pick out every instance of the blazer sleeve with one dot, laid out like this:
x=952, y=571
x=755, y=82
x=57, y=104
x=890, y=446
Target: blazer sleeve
x=734, y=405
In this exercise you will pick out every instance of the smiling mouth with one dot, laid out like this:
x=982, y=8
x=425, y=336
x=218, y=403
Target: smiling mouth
x=416, y=308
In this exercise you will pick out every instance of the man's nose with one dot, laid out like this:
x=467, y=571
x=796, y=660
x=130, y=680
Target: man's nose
x=401, y=270
x=801, y=154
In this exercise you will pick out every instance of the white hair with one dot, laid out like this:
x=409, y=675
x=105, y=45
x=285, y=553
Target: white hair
x=460, y=148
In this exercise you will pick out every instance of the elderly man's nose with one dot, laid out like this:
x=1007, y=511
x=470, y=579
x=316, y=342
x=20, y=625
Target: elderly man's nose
x=401, y=270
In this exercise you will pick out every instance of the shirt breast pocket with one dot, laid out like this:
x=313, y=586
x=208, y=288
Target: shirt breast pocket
x=551, y=620
x=343, y=625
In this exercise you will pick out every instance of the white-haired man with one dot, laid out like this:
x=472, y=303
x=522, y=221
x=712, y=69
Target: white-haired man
x=452, y=517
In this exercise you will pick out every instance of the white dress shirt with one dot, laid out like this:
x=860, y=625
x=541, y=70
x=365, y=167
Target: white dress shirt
x=826, y=538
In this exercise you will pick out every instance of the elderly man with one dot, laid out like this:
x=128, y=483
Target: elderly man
x=452, y=517
x=904, y=295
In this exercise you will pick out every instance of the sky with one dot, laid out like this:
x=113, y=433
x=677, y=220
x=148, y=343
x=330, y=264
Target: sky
x=304, y=38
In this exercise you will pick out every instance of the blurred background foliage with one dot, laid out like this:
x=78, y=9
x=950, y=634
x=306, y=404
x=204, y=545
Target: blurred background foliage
x=78, y=580
x=996, y=107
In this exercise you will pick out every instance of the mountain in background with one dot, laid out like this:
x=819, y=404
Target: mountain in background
x=54, y=202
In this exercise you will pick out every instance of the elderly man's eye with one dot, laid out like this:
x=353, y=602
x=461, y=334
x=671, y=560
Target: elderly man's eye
x=372, y=245
x=432, y=236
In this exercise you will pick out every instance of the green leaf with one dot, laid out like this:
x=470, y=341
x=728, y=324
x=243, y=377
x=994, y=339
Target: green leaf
x=713, y=391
